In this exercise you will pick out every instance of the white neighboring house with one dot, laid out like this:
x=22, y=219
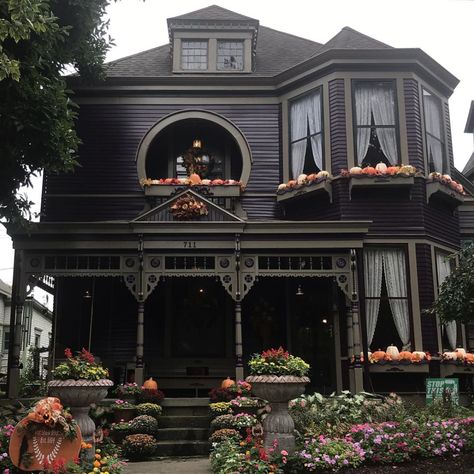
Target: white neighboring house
x=37, y=328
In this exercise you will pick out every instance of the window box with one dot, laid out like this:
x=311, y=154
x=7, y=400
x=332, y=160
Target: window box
x=306, y=191
x=441, y=191
x=447, y=369
x=380, y=182
x=224, y=190
x=400, y=368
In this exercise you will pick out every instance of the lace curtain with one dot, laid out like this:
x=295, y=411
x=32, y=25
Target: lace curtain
x=434, y=127
x=392, y=262
x=379, y=101
x=444, y=269
x=305, y=113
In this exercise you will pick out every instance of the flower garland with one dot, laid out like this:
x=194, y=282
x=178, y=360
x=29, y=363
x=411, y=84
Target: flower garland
x=188, y=207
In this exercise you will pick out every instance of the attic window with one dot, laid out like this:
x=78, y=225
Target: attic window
x=194, y=55
x=230, y=55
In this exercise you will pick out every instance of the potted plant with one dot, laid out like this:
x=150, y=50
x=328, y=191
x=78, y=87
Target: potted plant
x=128, y=391
x=278, y=377
x=247, y=405
x=79, y=382
x=123, y=410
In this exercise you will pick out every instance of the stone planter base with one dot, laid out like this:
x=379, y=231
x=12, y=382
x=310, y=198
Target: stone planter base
x=278, y=390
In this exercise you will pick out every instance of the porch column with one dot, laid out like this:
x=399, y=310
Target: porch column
x=358, y=369
x=350, y=348
x=140, y=339
x=239, y=366
x=16, y=317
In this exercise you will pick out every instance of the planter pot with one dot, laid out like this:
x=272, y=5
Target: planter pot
x=124, y=414
x=278, y=390
x=78, y=395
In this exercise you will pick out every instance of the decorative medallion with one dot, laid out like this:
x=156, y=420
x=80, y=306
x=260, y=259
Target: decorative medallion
x=341, y=262
x=155, y=262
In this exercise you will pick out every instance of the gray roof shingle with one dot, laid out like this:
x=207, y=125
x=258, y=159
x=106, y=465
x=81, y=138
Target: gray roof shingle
x=5, y=289
x=213, y=12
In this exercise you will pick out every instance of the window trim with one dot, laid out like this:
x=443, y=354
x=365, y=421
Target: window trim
x=446, y=166
x=307, y=137
x=194, y=40
x=393, y=82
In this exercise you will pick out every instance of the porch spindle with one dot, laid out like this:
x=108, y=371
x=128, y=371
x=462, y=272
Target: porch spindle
x=239, y=367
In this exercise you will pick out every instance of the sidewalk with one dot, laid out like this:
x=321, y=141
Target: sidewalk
x=170, y=466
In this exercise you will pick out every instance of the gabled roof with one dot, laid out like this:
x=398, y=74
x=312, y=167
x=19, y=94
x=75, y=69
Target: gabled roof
x=5, y=289
x=469, y=168
x=470, y=120
x=213, y=12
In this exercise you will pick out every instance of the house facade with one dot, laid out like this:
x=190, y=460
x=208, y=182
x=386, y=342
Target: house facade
x=242, y=188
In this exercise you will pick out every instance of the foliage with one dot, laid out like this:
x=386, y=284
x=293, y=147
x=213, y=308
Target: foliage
x=82, y=366
x=127, y=390
x=220, y=408
x=38, y=38
x=123, y=405
x=238, y=422
x=246, y=402
x=144, y=424
x=240, y=388
x=139, y=446
x=150, y=396
x=455, y=301
x=223, y=434
x=5, y=461
x=30, y=384
x=151, y=409
x=277, y=362
x=330, y=454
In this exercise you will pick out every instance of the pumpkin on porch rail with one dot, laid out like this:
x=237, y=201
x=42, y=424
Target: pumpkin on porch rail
x=392, y=351
x=378, y=355
x=405, y=355
x=227, y=383
x=150, y=384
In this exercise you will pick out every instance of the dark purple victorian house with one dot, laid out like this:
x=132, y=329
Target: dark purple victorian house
x=326, y=269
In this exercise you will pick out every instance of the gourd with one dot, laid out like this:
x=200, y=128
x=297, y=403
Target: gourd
x=392, y=351
x=206, y=182
x=281, y=186
x=312, y=177
x=405, y=355
x=469, y=359
x=226, y=383
x=302, y=179
x=391, y=170
x=381, y=168
x=195, y=178
x=355, y=170
x=378, y=355
x=323, y=174
x=418, y=356
x=460, y=352
x=450, y=355
x=369, y=170
x=150, y=384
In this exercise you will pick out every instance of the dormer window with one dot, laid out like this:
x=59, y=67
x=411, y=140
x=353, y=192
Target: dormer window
x=376, y=122
x=194, y=55
x=230, y=55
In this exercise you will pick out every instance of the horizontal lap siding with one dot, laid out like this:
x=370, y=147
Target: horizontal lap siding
x=337, y=121
x=466, y=219
x=111, y=135
x=413, y=123
x=426, y=296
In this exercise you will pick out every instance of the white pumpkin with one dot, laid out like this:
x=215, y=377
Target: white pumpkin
x=461, y=353
x=392, y=351
x=435, y=175
x=322, y=174
x=381, y=168
x=302, y=179
x=419, y=354
x=281, y=186
x=206, y=182
x=155, y=181
x=355, y=170
x=450, y=356
x=447, y=177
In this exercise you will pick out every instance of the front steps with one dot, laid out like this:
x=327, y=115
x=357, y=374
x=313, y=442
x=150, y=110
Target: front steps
x=184, y=427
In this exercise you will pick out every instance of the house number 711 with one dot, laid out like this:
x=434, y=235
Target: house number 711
x=189, y=245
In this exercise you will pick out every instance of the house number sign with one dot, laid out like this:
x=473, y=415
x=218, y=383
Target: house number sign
x=189, y=244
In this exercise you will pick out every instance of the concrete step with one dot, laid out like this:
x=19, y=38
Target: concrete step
x=180, y=434
x=186, y=411
x=185, y=402
x=200, y=421
x=183, y=448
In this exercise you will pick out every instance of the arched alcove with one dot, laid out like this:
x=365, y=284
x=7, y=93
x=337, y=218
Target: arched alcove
x=169, y=138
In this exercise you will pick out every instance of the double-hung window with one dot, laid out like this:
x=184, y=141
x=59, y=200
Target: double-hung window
x=376, y=124
x=194, y=55
x=306, y=134
x=434, y=133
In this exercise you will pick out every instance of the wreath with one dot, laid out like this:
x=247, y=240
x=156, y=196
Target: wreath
x=188, y=207
x=197, y=161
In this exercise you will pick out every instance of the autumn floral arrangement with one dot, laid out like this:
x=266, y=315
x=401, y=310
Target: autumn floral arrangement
x=278, y=362
x=459, y=356
x=381, y=169
x=127, y=390
x=447, y=181
x=394, y=356
x=192, y=180
x=188, y=207
x=83, y=366
x=303, y=180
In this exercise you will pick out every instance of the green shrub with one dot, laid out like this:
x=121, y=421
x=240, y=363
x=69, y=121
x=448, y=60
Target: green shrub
x=139, y=446
x=220, y=408
x=223, y=434
x=150, y=409
x=144, y=424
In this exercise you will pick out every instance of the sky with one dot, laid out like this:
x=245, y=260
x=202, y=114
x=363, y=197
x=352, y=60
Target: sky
x=442, y=28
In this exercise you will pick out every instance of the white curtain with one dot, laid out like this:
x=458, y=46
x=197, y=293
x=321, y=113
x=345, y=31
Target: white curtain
x=434, y=127
x=373, y=289
x=435, y=153
x=396, y=279
x=314, y=121
x=363, y=109
x=299, y=127
x=383, y=108
x=444, y=269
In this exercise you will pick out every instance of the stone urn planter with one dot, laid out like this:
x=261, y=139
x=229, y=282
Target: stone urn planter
x=78, y=395
x=278, y=390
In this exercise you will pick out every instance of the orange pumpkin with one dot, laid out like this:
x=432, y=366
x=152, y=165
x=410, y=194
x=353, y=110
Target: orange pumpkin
x=227, y=383
x=378, y=355
x=312, y=177
x=416, y=357
x=469, y=359
x=195, y=178
x=150, y=384
x=405, y=355
x=392, y=170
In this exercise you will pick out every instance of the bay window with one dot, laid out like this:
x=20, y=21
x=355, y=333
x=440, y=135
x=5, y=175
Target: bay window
x=376, y=124
x=434, y=133
x=386, y=297
x=306, y=134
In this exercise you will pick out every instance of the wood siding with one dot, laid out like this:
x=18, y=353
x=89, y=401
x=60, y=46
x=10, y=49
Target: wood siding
x=426, y=296
x=413, y=123
x=337, y=121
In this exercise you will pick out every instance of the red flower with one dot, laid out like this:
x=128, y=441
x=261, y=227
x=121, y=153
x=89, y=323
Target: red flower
x=87, y=356
x=262, y=454
x=68, y=353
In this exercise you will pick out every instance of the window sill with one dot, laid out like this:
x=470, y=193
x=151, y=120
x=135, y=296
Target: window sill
x=441, y=191
x=164, y=190
x=305, y=191
x=396, y=367
x=380, y=182
x=451, y=368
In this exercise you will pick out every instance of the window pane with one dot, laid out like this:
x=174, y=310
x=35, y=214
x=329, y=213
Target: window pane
x=435, y=150
x=230, y=55
x=375, y=100
x=194, y=55
x=432, y=110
